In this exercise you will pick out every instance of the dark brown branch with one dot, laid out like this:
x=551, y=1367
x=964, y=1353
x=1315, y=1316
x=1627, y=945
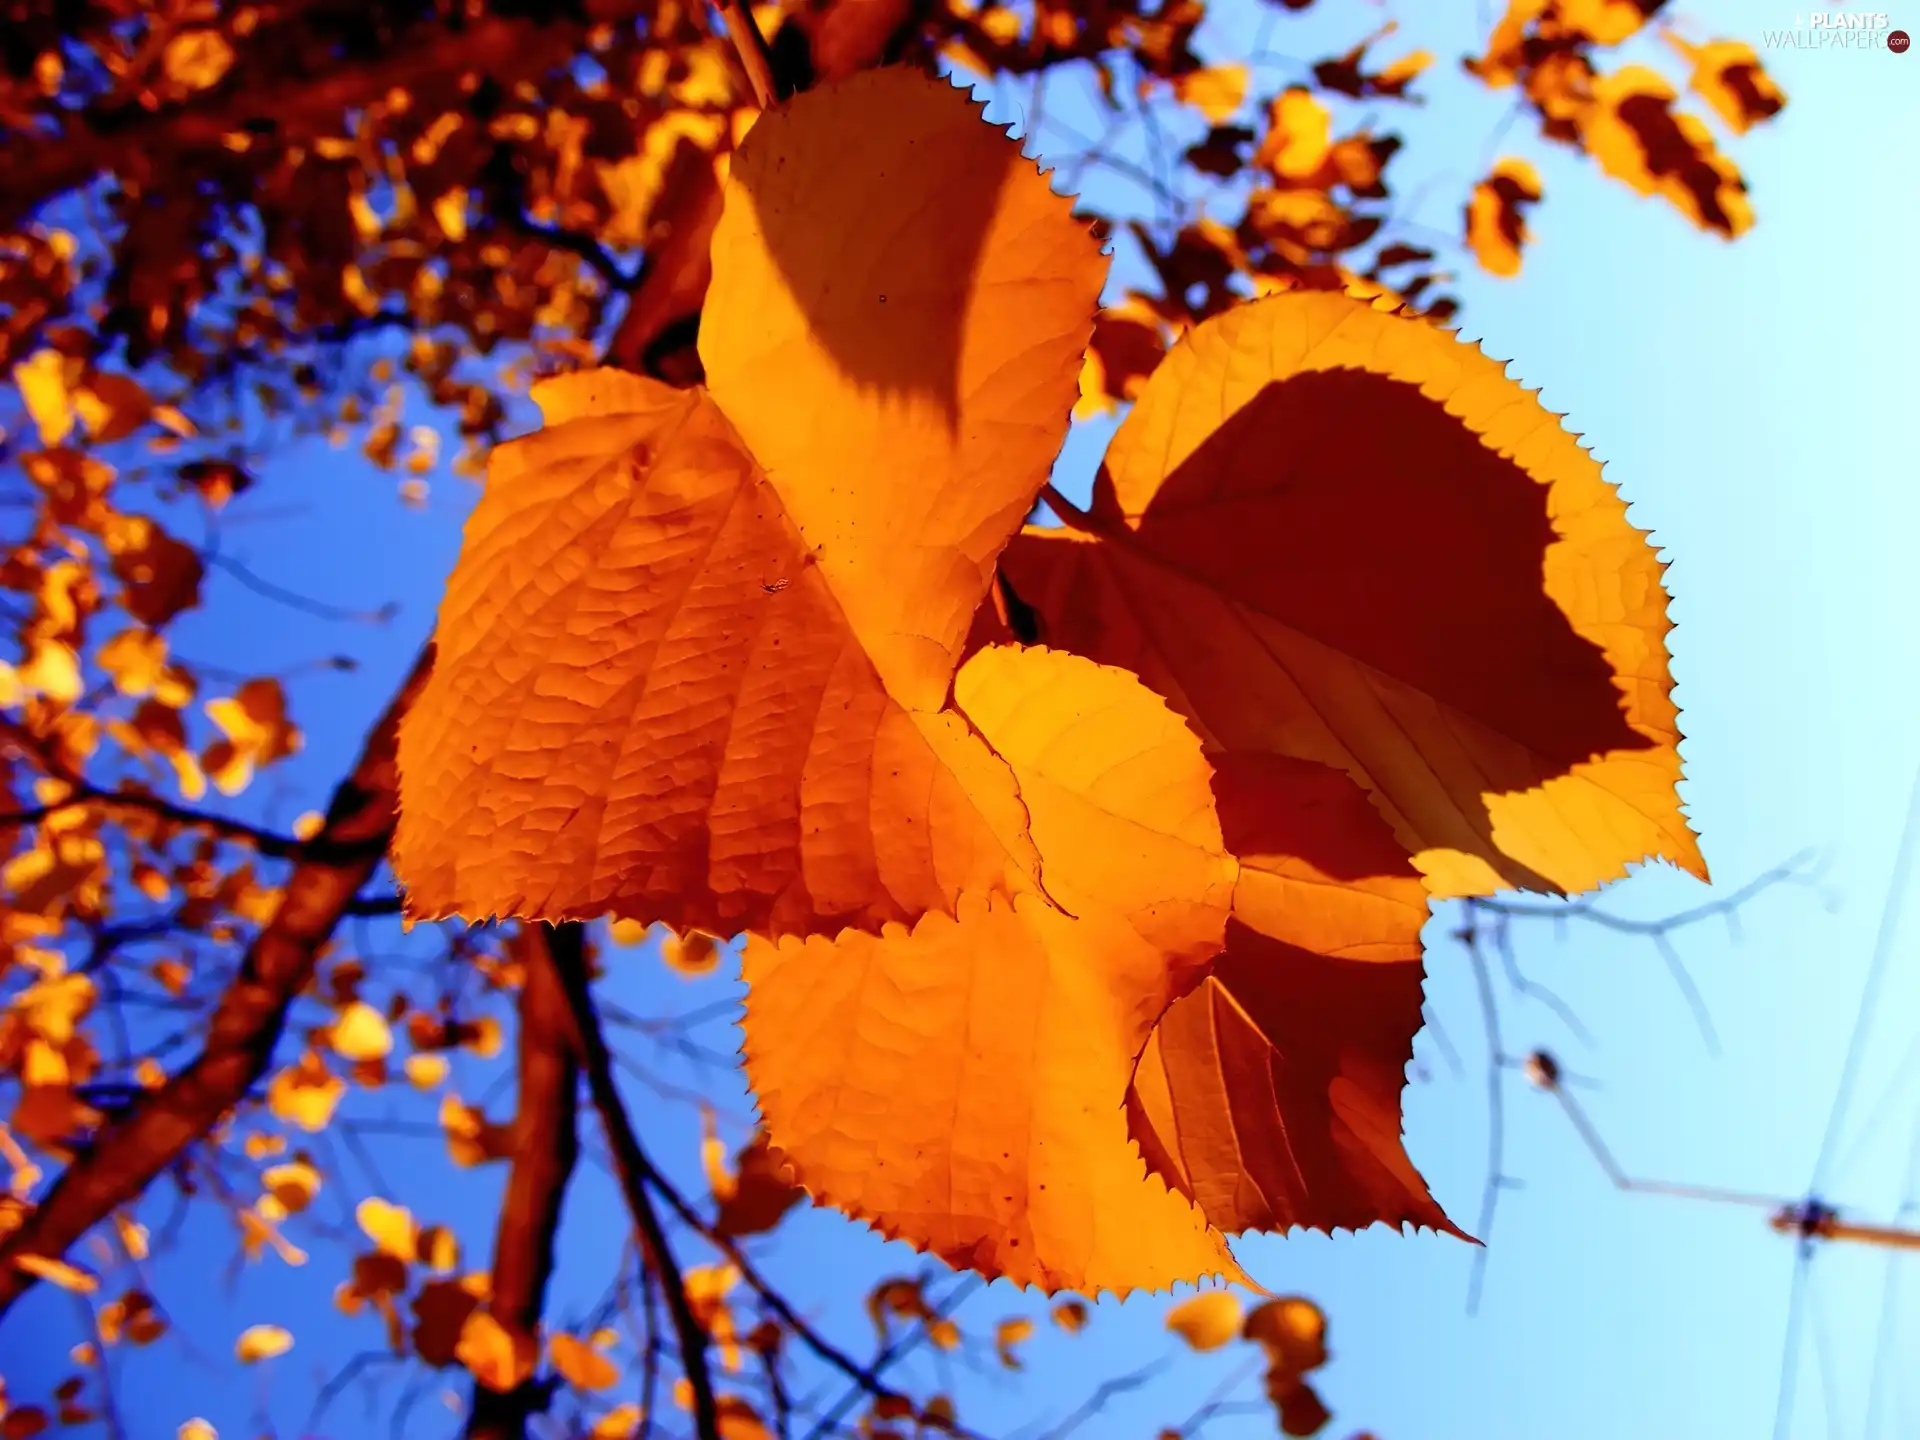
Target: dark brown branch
x=565, y=953
x=546, y=1146
x=135, y=1148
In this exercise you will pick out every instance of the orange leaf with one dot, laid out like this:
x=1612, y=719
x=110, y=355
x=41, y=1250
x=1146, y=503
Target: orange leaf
x=692, y=663
x=1333, y=535
x=261, y=1342
x=901, y=1086
x=1270, y=1096
x=57, y=1272
x=1293, y=1332
x=732, y=758
x=1216, y=91
x=899, y=307
x=391, y=1227
x=1729, y=77
x=1009, y=1333
x=1635, y=135
x=499, y=1359
x=1208, y=1320
x=1496, y=228
x=581, y=1364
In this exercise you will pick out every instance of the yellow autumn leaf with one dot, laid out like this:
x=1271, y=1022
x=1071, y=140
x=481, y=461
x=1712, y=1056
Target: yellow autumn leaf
x=1008, y=1334
x=581, y=1364
x=497, y=1359
x=1553, y=775
x=293, y=1184
x=305, y=1093
x=360, y=1033
x=618, y=1423
x=42, y=380
x=887, y=1070
x=112, y=407
x=197, y=59
x=450, y=214
x=1216, y=91
x=1208, y=1320
x=261, y=1342
x=425, y=1071
x=391, y=1227
x=57, y=1272
x=832, y=602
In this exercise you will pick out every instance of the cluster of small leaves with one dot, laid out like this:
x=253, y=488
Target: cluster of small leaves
x=487, y=182
x=1292, y=1334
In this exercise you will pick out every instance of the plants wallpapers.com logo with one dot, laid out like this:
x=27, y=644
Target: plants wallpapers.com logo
x=1871, y=30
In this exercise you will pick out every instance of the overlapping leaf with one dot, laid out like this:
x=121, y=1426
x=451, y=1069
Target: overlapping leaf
x=692, y=663
x=1271, y=1094
x=1328, y=534
x=697, y=665
x=1340, y=542
x=958, y=1085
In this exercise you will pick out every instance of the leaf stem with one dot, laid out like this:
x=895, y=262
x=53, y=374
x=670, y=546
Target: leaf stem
x=1068, y=512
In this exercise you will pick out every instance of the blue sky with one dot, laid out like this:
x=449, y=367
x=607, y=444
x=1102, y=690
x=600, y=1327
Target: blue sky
x=1750, y=401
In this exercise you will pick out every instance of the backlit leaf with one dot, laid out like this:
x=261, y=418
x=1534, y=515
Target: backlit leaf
x=499, y=1360
x=57, y=1272
x=261, y=1342
x=1634, y=134
x=692, y=664
x=1007, y=1335
x=904, y=1090
x=1728, y=76
x=42, y=380
x=391, y=1227
x=361, y=1033
x=197, y=59
x=1216, y=91
x=581, y=1364
x=305, y=1092
x=1330, y=535
x=1270, y=1095
x=761, y=1193
x=1293, y=1332
x=1496, y=224
x=1207, y=1321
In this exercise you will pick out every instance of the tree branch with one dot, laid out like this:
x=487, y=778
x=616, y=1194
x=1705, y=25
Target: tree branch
x=546, y=1146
